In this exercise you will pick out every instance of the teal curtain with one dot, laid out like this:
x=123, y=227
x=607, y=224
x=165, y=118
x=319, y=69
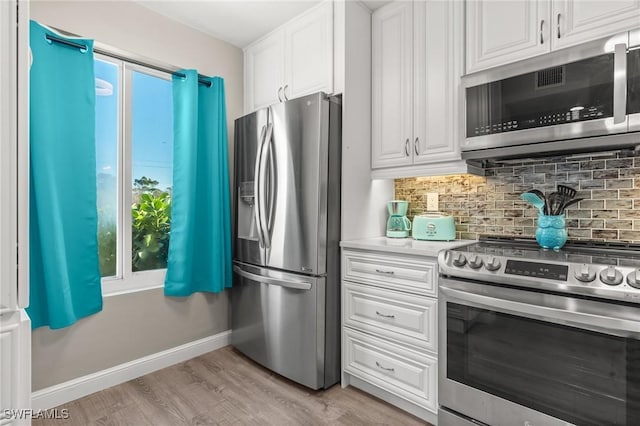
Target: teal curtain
x=64, y=268
x=200, y=242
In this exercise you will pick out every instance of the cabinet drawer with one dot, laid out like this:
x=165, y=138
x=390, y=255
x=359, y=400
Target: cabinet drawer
x=406, y=318
x=398, y=370
x=412, y=274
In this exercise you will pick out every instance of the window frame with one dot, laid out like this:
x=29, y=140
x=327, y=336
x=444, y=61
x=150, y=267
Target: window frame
x=126, y=280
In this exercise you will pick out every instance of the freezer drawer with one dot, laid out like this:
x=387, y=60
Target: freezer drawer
x=277, y=320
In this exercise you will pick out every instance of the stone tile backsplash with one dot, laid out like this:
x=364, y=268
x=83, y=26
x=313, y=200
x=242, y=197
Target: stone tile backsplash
x=609, y=182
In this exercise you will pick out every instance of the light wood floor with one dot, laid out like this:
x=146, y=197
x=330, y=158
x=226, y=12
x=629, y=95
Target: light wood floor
x=224, y=387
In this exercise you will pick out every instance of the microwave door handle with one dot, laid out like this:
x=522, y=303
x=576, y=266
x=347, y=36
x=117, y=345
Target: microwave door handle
x=620, y=83
x=256, y=187
x=540, y=311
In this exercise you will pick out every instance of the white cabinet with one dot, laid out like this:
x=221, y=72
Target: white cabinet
x=15, y=365
x=416, y=68
x=15, y=331
x=437, y=65
x=500, y=32
x=8, y=155
x=392, y=272
x=577, y=21
x=407, y=373
x=389, y=328
x=294, y=60
x=264, y=71
x=14, y=154
x=309, y=53
x=392, y=80
x=396, y=315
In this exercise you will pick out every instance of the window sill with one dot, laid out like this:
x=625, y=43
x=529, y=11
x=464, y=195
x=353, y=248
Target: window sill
x=138, y=281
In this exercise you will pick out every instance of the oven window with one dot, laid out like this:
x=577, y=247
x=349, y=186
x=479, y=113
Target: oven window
x=579, y=91
x=579, y=376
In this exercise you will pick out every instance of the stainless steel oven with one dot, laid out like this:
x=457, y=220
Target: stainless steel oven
x=515, y=356
x=545, y=103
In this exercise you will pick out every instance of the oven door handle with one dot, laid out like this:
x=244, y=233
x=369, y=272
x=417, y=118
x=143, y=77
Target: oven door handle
x=596, y=316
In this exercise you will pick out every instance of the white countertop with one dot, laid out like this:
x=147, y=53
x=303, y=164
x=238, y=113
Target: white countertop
x=403, y=245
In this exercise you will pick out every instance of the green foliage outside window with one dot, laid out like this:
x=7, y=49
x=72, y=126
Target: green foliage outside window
x=151, y=223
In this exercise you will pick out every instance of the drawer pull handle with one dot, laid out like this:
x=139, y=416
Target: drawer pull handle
x=384, y=316
x=384, y=368
x=380, y=271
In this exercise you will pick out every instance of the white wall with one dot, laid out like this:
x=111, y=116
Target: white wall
x=364, y=200
x=136, y=324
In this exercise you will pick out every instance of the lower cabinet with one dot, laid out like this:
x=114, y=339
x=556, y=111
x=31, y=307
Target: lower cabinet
x=389, y=328
x=404, y=372
x=407, y=318
x=15, y=368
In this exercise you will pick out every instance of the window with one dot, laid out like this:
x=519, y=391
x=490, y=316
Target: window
x=134, y=165
x=107, y=136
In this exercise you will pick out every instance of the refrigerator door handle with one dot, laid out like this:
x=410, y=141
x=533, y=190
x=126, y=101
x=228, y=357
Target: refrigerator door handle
x=262, y=187
x=272, y=188
x=298, y=285
x=256, y=187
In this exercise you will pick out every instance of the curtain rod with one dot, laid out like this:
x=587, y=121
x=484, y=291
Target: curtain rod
x=122, y=58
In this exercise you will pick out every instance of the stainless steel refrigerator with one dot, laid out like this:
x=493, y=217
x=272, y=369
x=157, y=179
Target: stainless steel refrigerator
x=285, y=301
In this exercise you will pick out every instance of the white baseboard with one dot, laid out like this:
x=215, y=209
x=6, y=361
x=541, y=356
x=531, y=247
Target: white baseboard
x=77, y=388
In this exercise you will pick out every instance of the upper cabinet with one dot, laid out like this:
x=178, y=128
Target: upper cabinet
x=309, y=53
x=392, y=77
x=577, y=21
x=437, y=67
x=294, y=60
x=264, y=72
x=416, y=68
x=500, y=32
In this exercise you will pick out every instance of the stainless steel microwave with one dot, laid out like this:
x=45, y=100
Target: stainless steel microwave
x=583, y=98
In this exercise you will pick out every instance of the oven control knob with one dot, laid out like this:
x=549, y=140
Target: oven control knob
x=585, y=274
x=475, y=262
x=611, y=276
x=493, y=264
x=459, y=260
x=633, y=279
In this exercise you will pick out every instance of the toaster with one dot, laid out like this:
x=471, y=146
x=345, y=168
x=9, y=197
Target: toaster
x=433, y=226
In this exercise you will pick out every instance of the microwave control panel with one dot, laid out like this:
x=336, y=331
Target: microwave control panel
x=548, y=119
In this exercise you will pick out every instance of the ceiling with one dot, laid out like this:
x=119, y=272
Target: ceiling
x=238, y=22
